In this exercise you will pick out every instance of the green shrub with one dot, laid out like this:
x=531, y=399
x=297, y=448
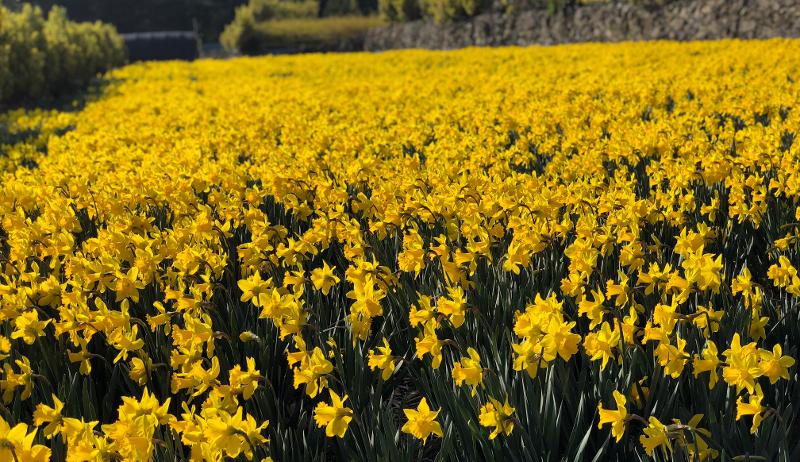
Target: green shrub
x=400, y=10
x=321, y=29
x=306, y=34
x=515, y=6
x=241, y=33
x=24, y=43
x=238, y=32
x=77, y=51
x=446, y=10
x=44, y=57
x=264, y=25
x=337, y=7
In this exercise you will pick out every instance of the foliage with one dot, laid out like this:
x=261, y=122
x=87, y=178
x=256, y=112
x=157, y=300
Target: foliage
x=337, y=7
x=241, y=34
x=314, y=33
x=400, y=10
x=41, y=57
x=555, y=6
x=265, y=10
x=210, y=16
x=516, y=6
x=442, y=10
x=265, y=25
x=572, y=253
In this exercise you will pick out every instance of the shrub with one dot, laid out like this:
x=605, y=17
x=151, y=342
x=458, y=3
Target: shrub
x=305, y=34
x=264, y=25
x=44, y=57
x=241, y=33
x=24, y=45
x=337, y=7
x=76, y=51
x=513, y=6
x=443, y=10
x=400, y=10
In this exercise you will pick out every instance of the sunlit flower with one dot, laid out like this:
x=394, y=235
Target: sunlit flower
x=422, y=422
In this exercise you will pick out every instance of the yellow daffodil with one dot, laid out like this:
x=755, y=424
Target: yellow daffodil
x=469, y=370
x=383, y=360
x=49, y=415
x=335, y=417
x=617, y=418
x=655, y=437
x=427, y=342
x=313, y=372
x=324, y=278
x=752, y=407
x=708, y=362
x=497, y=415
x=28, y=327
x=422, y=422
x=16, y=444
x=774, y=365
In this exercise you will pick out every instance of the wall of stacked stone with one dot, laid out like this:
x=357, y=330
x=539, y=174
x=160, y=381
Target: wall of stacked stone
x=613, y=22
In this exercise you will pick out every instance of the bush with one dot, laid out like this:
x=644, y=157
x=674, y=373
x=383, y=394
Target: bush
x=337, y=7
x=44, y=57
x=442, y=10
x=264, y=25
x=514, y=6
x=400, y=10
x=241, y=33
x=24, y=46
x=305, y=34
x=210, y=16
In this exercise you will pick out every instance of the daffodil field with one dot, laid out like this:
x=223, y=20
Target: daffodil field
x=583, y=252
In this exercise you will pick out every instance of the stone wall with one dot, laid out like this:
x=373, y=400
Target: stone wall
x=682, y=20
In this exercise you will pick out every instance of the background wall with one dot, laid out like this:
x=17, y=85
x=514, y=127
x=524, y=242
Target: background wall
x=684, y=20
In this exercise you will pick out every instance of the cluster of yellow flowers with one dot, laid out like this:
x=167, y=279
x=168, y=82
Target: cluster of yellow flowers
x=24, y=135
x=218, y=255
